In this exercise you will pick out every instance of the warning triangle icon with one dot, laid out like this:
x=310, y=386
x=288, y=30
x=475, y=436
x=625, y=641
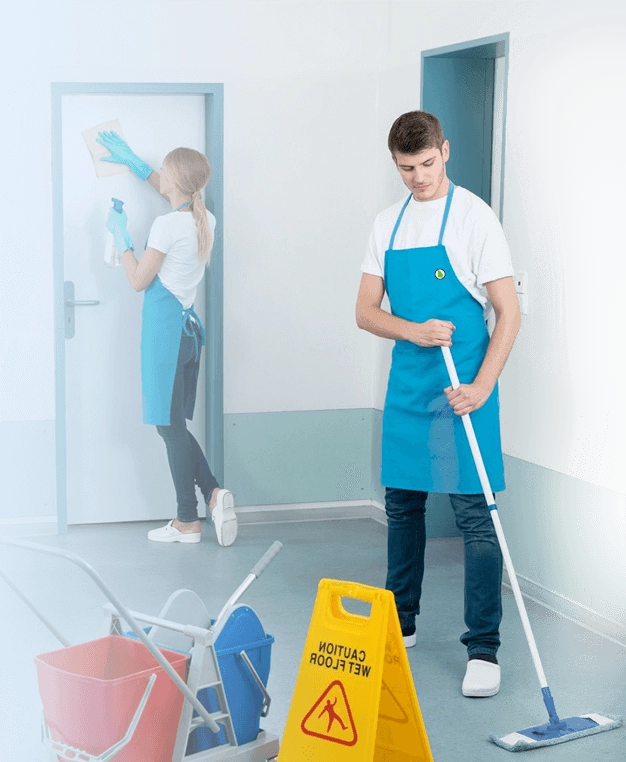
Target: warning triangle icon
x=331, y=718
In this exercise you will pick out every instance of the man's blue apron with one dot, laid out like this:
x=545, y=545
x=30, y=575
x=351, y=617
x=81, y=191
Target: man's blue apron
x=164, y=320
x=424, y=443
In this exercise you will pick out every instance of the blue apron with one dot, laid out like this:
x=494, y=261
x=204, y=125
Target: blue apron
x=163, y=322
x=424, y=445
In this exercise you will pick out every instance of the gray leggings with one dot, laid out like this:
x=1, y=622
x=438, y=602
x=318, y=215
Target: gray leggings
x=188, y=464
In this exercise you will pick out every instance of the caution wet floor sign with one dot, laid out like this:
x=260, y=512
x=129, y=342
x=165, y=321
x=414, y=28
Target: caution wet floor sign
x=354, y=697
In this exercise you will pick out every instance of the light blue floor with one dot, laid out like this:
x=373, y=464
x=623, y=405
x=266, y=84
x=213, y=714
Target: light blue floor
x=586, y=672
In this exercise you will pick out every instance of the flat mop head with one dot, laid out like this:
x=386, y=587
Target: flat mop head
x=549, y=734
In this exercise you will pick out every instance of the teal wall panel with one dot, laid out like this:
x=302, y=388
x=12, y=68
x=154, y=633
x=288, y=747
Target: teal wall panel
x=313, y=456
x=549, y=518
x=298, y=457
x=566, y=535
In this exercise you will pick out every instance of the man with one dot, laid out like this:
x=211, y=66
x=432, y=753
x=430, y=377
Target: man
x=442, y=258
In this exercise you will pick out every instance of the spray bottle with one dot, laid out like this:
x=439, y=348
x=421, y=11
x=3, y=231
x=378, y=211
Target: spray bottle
x=111, y=256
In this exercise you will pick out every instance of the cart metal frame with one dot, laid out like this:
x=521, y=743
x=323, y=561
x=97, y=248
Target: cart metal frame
x=203, y=672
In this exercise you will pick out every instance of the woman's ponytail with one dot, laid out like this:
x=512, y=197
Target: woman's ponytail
x=198, y=210
x=190, y=171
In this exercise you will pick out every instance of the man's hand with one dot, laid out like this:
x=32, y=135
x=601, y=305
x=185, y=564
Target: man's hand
x=433, y=333
x=467, y=397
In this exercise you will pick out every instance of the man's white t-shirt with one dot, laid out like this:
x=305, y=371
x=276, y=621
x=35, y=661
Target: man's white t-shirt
x=474, y=239
x=175, y=235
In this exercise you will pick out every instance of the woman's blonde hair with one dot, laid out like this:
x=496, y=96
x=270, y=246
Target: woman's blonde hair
x=189, y=171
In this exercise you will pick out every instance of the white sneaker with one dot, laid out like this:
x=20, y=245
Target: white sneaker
x=482, y=678
x=224, y=518
x=169, y=533
x=410, y=640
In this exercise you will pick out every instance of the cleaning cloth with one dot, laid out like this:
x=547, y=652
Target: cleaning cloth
x=97, y=151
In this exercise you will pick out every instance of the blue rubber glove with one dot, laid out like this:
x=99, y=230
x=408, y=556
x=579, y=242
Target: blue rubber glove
x=121, y=153
x=116, y=224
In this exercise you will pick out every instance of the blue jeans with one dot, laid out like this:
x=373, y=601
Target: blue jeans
x=188, y=465
x=406, y=541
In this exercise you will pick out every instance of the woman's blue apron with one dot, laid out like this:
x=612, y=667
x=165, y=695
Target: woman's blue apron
x=164, y=320
x=424, y=445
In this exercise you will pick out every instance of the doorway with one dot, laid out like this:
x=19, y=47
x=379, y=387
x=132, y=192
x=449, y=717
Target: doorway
x=465, y=86
x=110, y=466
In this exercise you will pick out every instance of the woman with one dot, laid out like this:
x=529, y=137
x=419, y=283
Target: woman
x=172, y=336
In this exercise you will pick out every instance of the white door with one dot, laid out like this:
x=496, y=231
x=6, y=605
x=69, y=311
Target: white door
x=117, y=467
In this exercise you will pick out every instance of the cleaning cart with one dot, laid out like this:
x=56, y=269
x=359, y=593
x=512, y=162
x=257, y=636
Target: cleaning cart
x=177, y=687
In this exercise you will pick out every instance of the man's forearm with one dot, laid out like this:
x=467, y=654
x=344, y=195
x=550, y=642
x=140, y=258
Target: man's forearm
x=384, y=324
x=499, y=348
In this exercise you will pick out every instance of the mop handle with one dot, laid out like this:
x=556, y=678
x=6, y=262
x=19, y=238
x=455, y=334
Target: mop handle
x=493, y=510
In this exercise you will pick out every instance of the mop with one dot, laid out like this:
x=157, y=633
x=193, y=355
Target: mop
x=556, y=730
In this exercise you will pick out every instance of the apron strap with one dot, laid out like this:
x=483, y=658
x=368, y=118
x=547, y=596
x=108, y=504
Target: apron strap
x=446, y=212
x=192, y=326
x=398, y=221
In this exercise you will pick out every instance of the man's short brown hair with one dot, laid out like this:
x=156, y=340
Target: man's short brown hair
x=414, y=132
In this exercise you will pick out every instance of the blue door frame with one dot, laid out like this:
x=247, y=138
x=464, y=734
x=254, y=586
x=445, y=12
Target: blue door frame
x=214, y=142
x=460, y=79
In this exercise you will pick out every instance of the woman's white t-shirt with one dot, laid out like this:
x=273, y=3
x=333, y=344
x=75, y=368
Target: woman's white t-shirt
x=175, y=235
x=474, y=239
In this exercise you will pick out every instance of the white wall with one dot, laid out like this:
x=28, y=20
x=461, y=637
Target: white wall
x=300, y=86
x=299, y=125
x=310, y=92
x=563, y=209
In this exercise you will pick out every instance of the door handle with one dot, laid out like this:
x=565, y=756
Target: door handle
x=87, y=303
x=70, y=304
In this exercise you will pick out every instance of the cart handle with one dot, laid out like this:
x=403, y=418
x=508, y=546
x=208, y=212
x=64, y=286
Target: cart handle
x=127, y=616
x=62, y=640
x=255, y=573
x=262, y=564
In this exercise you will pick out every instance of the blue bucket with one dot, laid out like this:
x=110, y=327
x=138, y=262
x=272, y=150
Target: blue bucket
x=242, y=632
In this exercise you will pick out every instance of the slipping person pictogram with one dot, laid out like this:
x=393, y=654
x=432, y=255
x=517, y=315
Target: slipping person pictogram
x=332, y=715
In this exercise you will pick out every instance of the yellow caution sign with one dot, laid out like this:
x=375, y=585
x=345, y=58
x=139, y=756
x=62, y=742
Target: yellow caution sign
x=354, y=698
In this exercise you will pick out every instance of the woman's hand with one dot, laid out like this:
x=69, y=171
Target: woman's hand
x=116, y=225
x=121, y=153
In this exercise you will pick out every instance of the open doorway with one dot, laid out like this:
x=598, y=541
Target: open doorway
x=465, y=86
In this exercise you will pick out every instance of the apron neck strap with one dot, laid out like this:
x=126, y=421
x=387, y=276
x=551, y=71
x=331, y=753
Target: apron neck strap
x=398, y=221
x=446, y=213
x=181, y=206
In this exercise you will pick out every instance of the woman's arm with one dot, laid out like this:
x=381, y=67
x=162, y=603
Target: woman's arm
x=142, y=272
x=154, y=178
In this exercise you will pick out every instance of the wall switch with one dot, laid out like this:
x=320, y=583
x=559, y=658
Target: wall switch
x=523, y=303
x=521, y=282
